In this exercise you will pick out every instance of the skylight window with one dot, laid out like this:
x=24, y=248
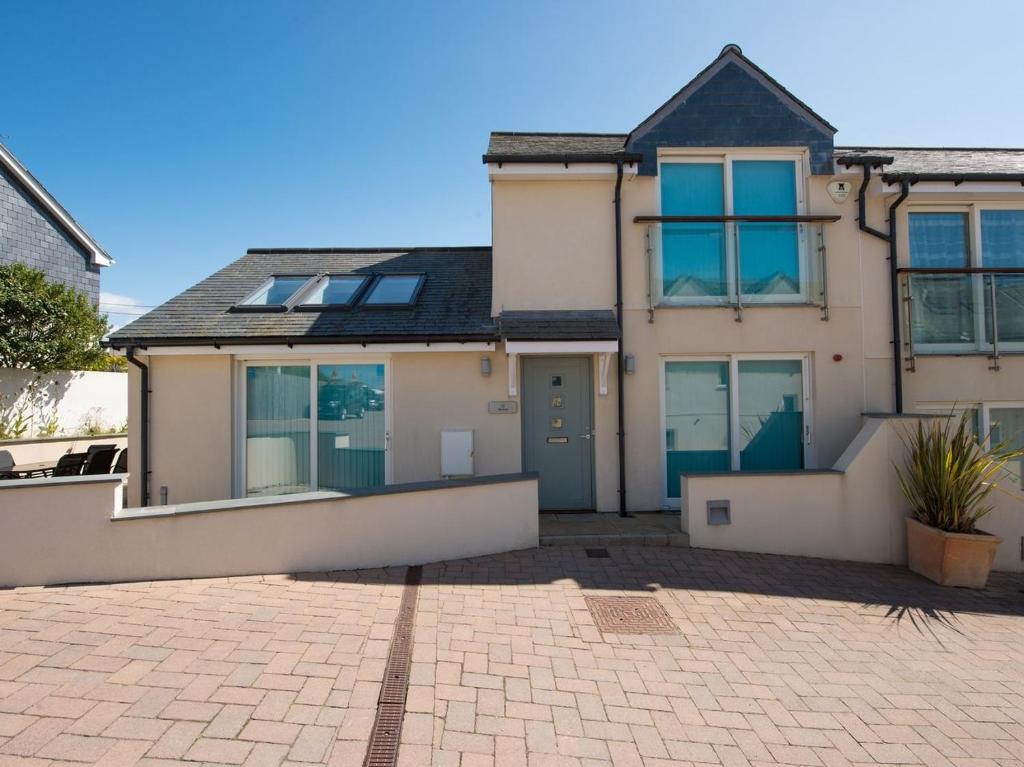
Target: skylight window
x=333, y=290
x=274, y=293
x=394, y=290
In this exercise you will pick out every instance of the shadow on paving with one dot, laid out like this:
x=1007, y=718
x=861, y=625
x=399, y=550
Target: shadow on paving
x=891, y=592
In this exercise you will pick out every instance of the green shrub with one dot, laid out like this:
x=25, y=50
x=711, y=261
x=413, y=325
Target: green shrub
x=948, y=475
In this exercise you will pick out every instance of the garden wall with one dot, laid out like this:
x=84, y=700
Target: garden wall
x=74, y=401
x=73, y=530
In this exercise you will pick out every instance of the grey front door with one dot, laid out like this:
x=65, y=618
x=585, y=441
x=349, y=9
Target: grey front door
x=558, y=430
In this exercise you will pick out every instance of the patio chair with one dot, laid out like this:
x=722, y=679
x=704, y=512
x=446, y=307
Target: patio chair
x=99, y=461
x=121, y=464
x=95, y=448
x=69, y=465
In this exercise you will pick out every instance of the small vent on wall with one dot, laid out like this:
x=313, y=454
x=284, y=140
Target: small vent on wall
x=718, y=513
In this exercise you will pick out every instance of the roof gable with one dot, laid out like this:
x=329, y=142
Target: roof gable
x=733, y=102
x=37, y=191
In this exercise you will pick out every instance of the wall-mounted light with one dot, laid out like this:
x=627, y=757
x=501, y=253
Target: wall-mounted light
x=485, y=366
x=629, y=364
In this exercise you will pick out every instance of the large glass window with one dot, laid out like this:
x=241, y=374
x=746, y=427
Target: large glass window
x=719, y=262
x=954, y=312
x=769, y=254
x=350, y=424
x=1002, y=246
x=277, y=421
x=943, y=305
x=733, y=415
x=339, y=444
x=693, y=254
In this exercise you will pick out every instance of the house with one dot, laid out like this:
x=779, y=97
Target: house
x=721, y=289
x=36, y=230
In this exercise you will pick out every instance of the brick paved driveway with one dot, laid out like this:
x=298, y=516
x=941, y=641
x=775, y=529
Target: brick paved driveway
x=777, y=661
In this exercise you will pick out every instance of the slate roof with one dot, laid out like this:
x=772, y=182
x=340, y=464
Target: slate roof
x=512, y=147
x=598, y=325
x=454, y=304
x=951, y=162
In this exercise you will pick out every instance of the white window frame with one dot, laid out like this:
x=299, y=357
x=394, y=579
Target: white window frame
x=806, y=371
x=975, y=259
x=726, y=159
x=242, y=364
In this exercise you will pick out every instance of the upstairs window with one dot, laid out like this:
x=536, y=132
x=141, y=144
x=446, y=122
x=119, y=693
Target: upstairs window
x=394, y=290
x=955, y=311
x=334, y=290
x=729, y=261
x=274, y=294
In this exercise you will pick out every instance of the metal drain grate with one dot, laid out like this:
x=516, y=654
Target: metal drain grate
x=630, y=615
x=387, y=726
x=598, y=553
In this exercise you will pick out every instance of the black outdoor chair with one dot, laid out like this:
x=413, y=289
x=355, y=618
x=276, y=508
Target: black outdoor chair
x=94, y=448
x=98, y=461
x=121, y=464
x=69, y=465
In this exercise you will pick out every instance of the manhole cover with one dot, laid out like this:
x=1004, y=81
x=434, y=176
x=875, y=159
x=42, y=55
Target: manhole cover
x=630, y=615
x=598, y=553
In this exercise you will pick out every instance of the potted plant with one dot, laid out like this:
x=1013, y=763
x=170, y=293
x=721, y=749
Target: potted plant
x=947, y=478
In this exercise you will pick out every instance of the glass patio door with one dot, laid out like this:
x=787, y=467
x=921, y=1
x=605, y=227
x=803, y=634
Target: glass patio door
x=309, y=426
x=734, y=415
x=277, y=421
x=351, y=431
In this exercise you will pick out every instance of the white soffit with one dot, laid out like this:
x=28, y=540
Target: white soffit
x=557, y=171
x=560, y=347
x=312, y=350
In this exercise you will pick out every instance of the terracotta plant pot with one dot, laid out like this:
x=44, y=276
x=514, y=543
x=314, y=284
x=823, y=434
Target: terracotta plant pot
x=951, y=559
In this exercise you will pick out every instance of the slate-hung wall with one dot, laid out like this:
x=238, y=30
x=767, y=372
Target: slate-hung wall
x=30, y=235
x=734, y=109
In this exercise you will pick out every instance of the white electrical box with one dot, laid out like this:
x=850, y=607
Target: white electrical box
x=457, y=453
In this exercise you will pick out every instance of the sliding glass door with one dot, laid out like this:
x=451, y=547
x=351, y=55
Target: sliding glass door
x=312, y=426
x=277, y=421
x=734, y=414
x=350, y=426
x=696, y=419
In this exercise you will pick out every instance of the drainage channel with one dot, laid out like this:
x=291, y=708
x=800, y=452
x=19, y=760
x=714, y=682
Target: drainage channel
x=387, y=726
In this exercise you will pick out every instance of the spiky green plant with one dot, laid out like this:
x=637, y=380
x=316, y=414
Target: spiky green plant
x=948, y=474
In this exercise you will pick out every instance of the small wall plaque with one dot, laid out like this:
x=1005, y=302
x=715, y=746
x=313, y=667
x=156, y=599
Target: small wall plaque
x=496, y=407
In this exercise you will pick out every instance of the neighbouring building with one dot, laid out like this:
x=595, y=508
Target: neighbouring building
x=721, y=289
x=36, y=230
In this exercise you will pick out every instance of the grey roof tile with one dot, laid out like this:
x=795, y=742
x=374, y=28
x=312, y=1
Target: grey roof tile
x=455, y=302
x=942, y=160
x=572, y=325
x=555, y=145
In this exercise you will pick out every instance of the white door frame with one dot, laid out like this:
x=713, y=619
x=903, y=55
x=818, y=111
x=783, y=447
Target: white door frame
x=733, y=360
x=239, y=480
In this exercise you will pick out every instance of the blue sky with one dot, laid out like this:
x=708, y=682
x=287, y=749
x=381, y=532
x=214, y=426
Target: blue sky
x=181, y=133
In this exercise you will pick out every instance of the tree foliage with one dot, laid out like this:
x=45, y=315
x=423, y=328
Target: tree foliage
x=47, y=326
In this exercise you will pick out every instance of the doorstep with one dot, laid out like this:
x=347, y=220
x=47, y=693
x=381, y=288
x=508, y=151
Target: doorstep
x=609, y=529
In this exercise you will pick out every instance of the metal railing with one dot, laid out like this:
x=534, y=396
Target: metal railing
x=737, y=261
x=962, y=311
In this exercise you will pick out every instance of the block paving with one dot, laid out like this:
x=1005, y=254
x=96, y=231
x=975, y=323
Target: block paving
x=776, y=661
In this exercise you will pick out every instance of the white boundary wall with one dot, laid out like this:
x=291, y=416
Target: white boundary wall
x=853, y=512
x=73, y=530
x=74, y=396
